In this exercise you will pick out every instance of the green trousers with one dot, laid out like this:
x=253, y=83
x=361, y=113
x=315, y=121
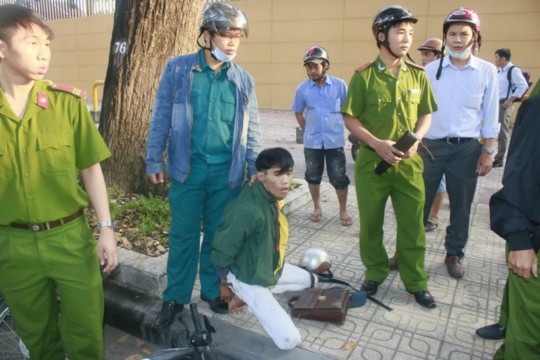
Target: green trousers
x=503, y=317
x=404, y=185
x=202, y=197
x=522, y=341
x=36, y=268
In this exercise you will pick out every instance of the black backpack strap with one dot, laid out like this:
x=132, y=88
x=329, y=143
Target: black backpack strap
x=509, y=77
x=328, y=277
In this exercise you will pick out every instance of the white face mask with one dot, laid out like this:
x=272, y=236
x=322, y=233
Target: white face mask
x=219, y=55
x=460, y=55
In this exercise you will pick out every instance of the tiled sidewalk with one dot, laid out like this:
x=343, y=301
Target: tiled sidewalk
x=409, y=331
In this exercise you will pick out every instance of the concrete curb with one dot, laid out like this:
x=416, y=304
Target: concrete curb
x=134, y=313
x=133, y=299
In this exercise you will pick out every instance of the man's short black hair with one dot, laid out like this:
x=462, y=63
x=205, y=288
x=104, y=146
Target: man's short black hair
x=504, y=53
x=275, y=157
x=13, y=17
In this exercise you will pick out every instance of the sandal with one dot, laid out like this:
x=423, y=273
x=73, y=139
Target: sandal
x=316, y=216
x=431, y=225
x=346, y=221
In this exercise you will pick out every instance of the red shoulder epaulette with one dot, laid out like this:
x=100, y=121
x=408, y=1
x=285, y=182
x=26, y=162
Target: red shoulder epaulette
x=365, y=66
x=414, y=65
x=78, y=92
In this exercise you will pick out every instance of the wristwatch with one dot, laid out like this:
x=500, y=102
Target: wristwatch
x=489, y=150
x=106, y=223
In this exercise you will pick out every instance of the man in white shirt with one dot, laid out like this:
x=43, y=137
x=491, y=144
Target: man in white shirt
x=466, y=92
x=509, y=91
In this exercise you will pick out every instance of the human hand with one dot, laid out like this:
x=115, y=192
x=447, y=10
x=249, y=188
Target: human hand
x=253, y=179
x=106, y=249
x=226, y=293
x=412, y=150
x=155, y=179
x=386, y=150
x=523, y=263
x=484, y=164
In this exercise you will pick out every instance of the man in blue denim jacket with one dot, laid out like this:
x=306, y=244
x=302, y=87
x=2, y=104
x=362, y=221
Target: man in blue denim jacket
x=206, y=111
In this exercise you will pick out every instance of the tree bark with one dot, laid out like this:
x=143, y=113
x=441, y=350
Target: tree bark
x=146, y=34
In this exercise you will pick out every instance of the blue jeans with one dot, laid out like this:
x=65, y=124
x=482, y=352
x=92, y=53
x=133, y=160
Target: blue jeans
x=335, y=166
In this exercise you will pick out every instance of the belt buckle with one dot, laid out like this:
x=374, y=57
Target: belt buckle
x=40, y=227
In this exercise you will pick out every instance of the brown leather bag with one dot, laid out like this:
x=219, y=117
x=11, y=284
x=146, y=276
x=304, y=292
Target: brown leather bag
x=328, y=305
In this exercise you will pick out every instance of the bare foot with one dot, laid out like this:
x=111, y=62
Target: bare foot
x=316, y=215
x=236, y=305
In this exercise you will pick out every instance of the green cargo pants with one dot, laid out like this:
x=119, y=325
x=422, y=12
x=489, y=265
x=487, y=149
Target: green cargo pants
x=34, y=268
x=522, y=308
x=404, y=184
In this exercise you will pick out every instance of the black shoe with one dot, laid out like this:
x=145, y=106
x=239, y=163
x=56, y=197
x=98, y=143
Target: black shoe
x=166, y=315
x=492, y=332
x=424, y=299
x=370, y=287
x=497, y=163
x=217, y=305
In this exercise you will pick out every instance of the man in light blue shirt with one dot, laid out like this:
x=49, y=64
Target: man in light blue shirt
x=321, y=96
x=467, y=95
x=509, y=91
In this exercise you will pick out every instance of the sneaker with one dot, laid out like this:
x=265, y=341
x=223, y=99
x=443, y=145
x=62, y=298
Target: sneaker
x=166, y=315
x=497, y=163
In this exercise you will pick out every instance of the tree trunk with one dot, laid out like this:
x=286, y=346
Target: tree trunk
x=146, y=34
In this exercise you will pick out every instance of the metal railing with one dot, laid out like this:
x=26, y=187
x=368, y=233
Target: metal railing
x=65, y=9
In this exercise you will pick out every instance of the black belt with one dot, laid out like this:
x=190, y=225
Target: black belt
x=455, y=140
x=47, y=225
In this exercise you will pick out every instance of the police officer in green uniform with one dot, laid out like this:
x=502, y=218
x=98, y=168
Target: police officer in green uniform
x=387, y=98
x=48, y=251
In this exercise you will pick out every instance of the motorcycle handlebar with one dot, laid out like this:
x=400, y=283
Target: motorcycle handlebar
x=195, y=316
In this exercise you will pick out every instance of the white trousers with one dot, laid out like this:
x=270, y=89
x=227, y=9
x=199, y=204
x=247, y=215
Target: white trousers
x=274, y=319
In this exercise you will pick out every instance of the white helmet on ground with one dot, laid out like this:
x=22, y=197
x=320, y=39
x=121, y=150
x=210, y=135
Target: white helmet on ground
x=316, y=260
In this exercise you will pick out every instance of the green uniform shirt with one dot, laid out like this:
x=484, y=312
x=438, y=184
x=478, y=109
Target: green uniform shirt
x=40, y=155
x=388, y=106
x=213, y=99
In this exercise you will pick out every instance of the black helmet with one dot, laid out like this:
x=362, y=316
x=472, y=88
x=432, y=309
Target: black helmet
x=316, y=53
x=223, y=16
x=389, y=16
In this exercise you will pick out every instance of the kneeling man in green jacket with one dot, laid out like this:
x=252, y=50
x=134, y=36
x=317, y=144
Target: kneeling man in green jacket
x=249, y=249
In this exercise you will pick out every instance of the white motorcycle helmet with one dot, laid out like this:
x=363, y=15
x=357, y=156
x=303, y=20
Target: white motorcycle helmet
x=316, y=260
